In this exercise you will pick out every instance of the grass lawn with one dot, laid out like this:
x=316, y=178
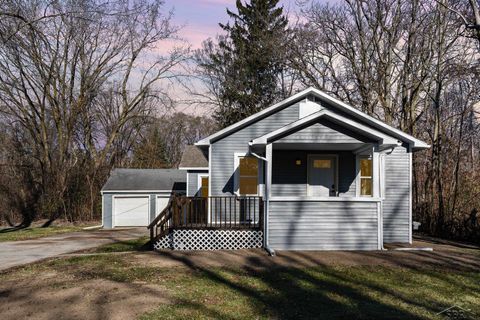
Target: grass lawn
x=321, y=292
x=196, y=292
x=35, y=232
x=139, y=244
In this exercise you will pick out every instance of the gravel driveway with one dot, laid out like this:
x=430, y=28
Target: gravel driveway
x=17, y=253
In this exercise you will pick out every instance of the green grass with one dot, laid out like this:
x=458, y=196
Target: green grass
x=139, y=244
x=322, y=292
x=327, y=292
x=35, y=232
x=358, y=292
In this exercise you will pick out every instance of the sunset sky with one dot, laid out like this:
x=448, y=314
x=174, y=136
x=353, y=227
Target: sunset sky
x=199, y=20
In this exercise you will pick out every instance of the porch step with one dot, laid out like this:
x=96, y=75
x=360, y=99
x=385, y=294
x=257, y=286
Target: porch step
x=203, y=239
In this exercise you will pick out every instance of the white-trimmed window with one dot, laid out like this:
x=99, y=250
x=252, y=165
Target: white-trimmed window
x=366, y=176
x=246, y=175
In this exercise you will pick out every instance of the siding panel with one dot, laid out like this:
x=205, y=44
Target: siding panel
x=223, y=150
x=323, y=132
x=315, y=225
x=396, y=206
x=192, y=187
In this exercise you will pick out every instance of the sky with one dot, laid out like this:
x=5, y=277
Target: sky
x=199, y=21
x=200, y=18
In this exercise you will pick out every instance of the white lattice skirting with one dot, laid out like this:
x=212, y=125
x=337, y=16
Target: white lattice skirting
x=210, y=240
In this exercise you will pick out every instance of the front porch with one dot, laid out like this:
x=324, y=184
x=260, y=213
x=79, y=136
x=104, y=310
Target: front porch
x=209, y=223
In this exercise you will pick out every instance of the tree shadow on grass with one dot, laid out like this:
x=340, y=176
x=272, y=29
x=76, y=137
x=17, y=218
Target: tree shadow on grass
x=12, y=229
x=294, y=293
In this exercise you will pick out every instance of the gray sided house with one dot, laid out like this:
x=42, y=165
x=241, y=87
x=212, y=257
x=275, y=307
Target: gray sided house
x=308, y=173
x=134, y=197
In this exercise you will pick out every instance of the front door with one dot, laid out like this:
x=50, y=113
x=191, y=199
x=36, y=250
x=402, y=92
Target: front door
x=321, y=175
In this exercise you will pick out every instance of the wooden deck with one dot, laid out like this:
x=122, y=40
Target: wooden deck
x=207, y=213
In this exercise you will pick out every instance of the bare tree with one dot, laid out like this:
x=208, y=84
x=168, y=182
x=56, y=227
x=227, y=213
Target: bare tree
x=408, y=64
x=164, y=141
x=78, y=83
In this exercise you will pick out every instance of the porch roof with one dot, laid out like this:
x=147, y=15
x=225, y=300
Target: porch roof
x=302, y=123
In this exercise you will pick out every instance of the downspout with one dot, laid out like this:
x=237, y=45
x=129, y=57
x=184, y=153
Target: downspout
x=383, y=154
x=270, y=251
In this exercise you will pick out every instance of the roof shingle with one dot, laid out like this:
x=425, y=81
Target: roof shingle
x=193, y=157
x=146, y=180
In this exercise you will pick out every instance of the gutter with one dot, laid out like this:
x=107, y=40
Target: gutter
x=269, y=250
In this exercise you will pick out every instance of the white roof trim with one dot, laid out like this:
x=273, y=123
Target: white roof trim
x=353, y=125
x=416, y=143
x=193, y=168
x=140, y=191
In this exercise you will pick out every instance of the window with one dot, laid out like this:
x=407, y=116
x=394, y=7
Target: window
x=247, y=175
x=204, y=186
x=366, y=178
x=322, y=163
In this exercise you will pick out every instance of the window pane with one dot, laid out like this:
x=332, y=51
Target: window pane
x=322, y=163
x=366, y=167
x=248, y=185
x=366, y=186
x=248, y=166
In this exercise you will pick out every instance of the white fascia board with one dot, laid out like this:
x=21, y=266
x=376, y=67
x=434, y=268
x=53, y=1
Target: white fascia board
x=417, y=144
x=358, y=127
x=139, y=191
x=194, y=168
x=353, y=125
x=252, y=118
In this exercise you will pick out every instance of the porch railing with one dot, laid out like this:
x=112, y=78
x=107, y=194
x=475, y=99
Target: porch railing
x=214, y=212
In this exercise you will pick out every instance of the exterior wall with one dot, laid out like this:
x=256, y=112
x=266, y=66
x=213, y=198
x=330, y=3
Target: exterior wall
x=323, y=225
x=348, y=218
x=107, y=207
x=222, y=156
x=396, y=206
x=323, y=132
x=288, y=179
x=107, y=204
x=192, y=181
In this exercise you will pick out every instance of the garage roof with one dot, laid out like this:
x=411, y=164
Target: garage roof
x=146, y=180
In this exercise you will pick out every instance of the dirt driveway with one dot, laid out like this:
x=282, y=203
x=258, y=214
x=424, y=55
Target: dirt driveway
x=445, y=254
x=17, y=253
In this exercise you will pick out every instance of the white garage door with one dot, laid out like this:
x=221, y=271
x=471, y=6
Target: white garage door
x=161, y=204
x=131, y=211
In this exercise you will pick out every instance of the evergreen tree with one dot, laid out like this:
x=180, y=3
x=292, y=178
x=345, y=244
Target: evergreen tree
x=247, y=62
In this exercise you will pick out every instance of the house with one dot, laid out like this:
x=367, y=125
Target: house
x=308, y=173
x=133, y=197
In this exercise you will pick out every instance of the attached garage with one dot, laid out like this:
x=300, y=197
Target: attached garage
x=134, y=197
x=131, y=211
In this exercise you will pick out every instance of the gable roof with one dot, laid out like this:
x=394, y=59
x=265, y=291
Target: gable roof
x=414, y=142
x=193, y=158
x=336, y=118
x=146, y=180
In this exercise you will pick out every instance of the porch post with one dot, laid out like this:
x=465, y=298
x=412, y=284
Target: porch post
x=268, y=184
